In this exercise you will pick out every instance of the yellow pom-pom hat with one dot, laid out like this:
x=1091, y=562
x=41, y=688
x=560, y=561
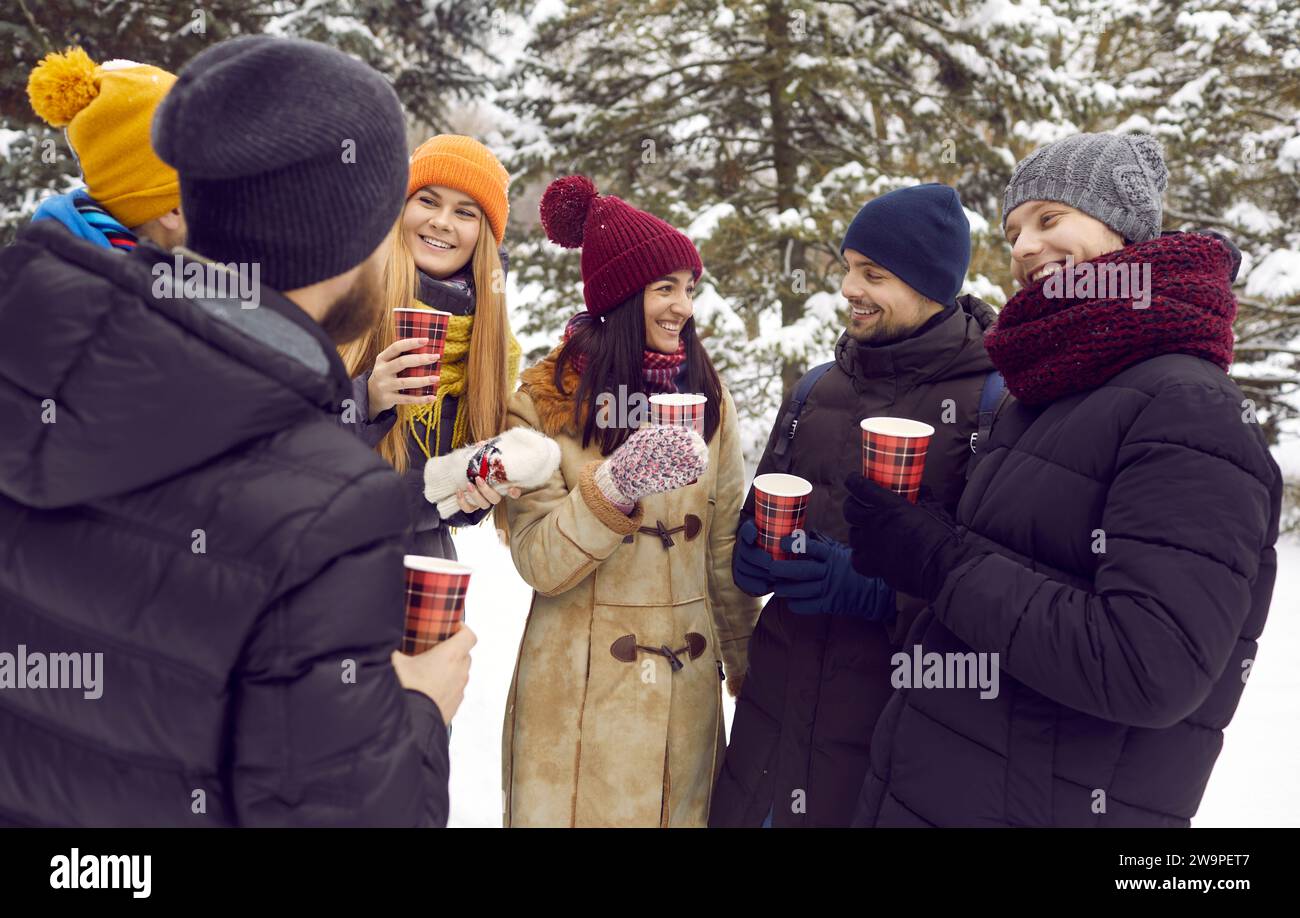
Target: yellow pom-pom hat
x=108, y=110
x=456, y=161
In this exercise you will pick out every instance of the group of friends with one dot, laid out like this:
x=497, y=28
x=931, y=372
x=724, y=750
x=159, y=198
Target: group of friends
x=219, y=498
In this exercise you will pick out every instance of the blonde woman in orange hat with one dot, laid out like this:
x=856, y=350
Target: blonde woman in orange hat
x=107, y=110
x=444, y=253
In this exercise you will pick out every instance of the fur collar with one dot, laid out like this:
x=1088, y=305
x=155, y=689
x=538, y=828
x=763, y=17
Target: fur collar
x=554, y=409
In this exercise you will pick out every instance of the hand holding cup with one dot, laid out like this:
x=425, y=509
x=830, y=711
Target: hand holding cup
x=671, y=409
x=386, y=386
x=654, y=460
x=441, y=673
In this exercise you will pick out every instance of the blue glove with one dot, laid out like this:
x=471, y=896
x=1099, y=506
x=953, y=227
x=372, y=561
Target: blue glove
x=821, y=580
x=751, y=565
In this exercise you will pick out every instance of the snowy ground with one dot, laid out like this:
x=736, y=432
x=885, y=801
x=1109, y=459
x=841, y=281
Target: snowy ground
x=1254, y=782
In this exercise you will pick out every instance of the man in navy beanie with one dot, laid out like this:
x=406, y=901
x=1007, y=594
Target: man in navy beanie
x=918, y=237
x=819, y=659
x=183, y=517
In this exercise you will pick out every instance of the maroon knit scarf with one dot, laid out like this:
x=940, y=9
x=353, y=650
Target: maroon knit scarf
x=657, y=369
x=1052, y=346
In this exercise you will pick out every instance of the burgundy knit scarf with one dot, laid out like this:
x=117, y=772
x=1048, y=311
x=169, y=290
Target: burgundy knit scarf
x=657, y=369
x=1048, y=345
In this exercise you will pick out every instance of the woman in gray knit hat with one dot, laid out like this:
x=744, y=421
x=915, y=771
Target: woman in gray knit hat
x=1113, y=549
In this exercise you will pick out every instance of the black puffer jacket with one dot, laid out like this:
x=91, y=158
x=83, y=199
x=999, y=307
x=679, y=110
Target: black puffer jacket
x=176, y=495
x=1119, y=668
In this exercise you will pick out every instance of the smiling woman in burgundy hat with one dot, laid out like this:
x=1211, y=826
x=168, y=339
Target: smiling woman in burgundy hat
x=615, y=713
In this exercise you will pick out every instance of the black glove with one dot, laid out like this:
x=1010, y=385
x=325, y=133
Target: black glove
x=912, y=547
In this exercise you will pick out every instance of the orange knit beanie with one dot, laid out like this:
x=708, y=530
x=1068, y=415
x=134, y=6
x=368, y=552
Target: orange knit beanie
x=463, y=163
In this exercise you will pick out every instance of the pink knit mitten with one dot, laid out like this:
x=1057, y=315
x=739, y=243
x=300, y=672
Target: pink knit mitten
x=653, y=460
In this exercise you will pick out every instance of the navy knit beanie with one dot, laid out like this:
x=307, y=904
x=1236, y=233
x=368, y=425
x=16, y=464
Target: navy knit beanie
x=290, y=154
x=920, y=234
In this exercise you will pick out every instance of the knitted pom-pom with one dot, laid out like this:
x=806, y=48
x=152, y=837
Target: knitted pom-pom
x=62, y=85
x=564, y=209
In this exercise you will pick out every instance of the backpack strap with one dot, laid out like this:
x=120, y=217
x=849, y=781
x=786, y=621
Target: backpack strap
x=991, y=398
x=789, y=422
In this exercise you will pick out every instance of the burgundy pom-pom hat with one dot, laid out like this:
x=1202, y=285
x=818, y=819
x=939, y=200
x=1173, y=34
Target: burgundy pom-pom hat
x=623, y=249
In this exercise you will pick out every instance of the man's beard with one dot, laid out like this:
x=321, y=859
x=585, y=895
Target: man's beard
x=356, y=311
x=877, y=333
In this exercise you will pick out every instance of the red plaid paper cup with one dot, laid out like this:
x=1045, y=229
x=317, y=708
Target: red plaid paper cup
x=893, y=453
x=678, y=410
x=422, y=323
x=780, y=506
x=671, y=409
x=435, y=601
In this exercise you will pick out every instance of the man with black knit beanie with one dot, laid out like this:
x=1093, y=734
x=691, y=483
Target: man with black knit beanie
x=188, y=518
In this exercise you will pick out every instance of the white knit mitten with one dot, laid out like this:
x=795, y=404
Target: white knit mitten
x=519, y=458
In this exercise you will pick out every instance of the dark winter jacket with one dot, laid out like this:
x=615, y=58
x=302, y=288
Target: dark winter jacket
x=175, y=495
x=816, y=684
x=1130, y=531
x=432, y=534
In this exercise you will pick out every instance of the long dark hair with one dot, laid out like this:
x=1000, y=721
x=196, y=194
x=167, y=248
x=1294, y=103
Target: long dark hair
x=614, y=350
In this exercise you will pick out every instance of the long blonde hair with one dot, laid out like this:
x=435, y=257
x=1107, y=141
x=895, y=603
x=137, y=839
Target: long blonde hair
x=485, y=395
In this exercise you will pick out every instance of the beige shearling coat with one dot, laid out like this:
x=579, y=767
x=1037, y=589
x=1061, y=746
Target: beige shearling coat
x=591, y=739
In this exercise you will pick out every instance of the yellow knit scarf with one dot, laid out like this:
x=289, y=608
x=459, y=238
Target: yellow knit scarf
x=455, y=361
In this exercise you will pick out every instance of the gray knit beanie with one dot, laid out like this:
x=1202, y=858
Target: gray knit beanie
x=291, y=154
x=1118, y=179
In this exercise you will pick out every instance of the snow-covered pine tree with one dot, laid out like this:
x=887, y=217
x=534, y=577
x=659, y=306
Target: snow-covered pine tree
x=761, y=127
x=723, y=118
x=1228, y=111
